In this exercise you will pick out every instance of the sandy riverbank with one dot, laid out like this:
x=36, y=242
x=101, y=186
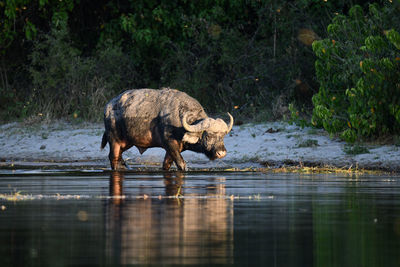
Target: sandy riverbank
x=250, y=145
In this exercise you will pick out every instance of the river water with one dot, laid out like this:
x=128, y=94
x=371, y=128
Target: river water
x=63, y=218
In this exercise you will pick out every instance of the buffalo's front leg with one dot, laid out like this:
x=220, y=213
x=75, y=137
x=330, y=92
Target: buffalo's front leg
x=174, y=149
x=167, y=161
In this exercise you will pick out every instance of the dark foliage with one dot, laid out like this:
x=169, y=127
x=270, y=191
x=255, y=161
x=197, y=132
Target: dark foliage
x=253, y=58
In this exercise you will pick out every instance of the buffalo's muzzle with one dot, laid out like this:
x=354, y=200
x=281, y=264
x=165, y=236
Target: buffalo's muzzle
x=220, y=154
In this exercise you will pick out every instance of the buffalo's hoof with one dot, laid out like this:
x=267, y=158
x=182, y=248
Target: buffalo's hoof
x=125, y=165
x=120, y=166
x=182, y=167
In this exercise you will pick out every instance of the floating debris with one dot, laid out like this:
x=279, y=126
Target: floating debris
x=17, y=196
x=82, y=216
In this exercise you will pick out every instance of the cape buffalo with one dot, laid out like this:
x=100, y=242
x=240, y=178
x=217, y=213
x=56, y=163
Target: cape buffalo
x=164, y=118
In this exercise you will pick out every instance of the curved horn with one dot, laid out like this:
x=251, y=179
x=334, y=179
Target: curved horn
x=201, y=126
x=230, y=122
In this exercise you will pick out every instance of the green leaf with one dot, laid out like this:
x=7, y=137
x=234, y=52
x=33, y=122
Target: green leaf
x=333, y=28
x=394, y=38
x=43, y=2
x=375, y=43
x=374, y=10
x=356, y=12
x=30, y=30
x=387, y=63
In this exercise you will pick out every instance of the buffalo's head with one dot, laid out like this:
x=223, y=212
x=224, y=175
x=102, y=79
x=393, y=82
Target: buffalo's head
x=207, y=134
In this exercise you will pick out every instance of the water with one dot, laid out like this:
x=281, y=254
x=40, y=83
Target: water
x=63, y=218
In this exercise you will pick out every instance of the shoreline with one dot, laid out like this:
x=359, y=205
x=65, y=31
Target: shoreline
x=267, y=145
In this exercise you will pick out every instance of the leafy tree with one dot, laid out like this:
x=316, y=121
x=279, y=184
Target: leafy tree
x=358, y=70
x=20, y=22
x=248, y=57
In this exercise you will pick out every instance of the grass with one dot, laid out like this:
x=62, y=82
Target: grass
x=300, y=167
x=293, y=135
x=355, y=149
x=324, y=170
x=313, y=131
x=244, y=159
x=396, y=140
x=309, y=143
x=290, y=166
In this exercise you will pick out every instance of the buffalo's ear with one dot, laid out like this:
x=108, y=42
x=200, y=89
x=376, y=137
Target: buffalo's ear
x=191, y=138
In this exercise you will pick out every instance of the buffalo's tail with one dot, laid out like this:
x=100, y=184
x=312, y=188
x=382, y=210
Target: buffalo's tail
x=104, y=141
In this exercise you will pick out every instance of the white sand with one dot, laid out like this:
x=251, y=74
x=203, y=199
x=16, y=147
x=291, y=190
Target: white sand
x=248, y=145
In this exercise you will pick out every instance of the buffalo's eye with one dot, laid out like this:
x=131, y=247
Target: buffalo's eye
x=211, y=137
x=206, y=138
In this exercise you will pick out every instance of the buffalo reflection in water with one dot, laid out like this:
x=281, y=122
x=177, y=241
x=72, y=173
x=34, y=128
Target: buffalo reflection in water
x=188, y=230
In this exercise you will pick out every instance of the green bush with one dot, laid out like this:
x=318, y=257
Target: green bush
x=67, y=58
x=246, y=62
x=13, y=105
x=358, y=68
x=67, y=84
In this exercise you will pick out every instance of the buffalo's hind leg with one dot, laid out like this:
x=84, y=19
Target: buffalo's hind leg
x=115, y=156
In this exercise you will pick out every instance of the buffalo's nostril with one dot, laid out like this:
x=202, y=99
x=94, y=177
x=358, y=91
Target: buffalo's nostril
x=221, y=153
